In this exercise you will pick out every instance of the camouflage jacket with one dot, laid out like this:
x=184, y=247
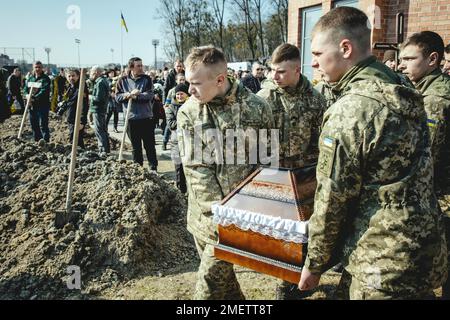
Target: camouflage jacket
x=210, y=181
x=326, y=90
x=298, y=113
x=375, y=208
x=435, y=89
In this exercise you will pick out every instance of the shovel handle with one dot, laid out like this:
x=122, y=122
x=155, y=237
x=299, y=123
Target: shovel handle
x=127, y=116
x=76, y=135
x=25, y=113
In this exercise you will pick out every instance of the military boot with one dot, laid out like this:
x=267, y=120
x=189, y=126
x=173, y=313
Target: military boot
x=289, y=291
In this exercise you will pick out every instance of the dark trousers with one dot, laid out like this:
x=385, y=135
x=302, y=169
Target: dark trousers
x=112, y=112
x=80, y=136
x=181, y=179
x=101, y=131
x=143, y=131
x=39, y=123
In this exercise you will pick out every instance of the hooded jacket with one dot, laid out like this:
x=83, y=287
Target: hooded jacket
x=435, y=89
x=210, y=181
x=298, y=114
x=375, y=207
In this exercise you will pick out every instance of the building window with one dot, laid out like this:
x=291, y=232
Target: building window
x=346, y=3
x=310, y=16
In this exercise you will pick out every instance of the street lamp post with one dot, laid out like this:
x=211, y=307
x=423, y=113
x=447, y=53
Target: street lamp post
x=155, y=43
x=48, y=50
x=78, y=41
x=112, y=55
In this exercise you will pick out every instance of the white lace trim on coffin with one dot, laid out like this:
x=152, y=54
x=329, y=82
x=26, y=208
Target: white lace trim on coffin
x=275, y=227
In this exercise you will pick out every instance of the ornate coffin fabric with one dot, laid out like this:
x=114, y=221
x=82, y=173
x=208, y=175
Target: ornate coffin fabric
x=263, y=224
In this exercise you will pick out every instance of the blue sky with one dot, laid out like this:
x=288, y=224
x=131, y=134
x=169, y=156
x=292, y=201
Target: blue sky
x=43, y=23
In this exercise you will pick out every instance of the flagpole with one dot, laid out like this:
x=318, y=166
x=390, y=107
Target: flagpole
x=121, y=45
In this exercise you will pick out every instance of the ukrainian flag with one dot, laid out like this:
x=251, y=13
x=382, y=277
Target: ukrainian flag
x=124, y=24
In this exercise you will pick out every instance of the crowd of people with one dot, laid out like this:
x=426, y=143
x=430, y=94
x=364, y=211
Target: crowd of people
x=378, y=130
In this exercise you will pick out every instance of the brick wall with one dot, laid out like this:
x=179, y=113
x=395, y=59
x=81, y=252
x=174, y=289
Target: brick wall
x=420, y=15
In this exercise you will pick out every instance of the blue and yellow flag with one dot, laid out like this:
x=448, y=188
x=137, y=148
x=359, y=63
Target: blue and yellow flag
x=124, y=24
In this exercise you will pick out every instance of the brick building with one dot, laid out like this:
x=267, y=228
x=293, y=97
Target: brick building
x=419, y=15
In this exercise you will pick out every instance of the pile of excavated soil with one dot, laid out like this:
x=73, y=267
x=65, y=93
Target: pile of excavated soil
x=131, y=222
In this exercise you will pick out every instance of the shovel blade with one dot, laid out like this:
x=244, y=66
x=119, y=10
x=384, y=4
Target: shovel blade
x=64, y=217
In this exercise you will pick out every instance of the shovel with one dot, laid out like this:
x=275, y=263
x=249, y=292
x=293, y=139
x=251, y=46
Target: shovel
x=71, y=216
x=32, y=86
x=130, y=101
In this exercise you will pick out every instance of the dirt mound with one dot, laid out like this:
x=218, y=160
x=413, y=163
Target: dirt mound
x=131, y=221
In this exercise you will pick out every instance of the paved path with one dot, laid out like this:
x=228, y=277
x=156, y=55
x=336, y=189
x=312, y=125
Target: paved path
x=165, y=166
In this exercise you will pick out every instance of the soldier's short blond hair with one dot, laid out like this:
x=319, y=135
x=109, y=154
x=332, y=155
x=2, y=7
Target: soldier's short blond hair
x=346, y=22
x=209, y=56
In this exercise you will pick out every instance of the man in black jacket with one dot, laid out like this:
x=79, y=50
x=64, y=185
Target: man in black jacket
x=71, y=105
x=5, y=111
x=253, y=81
x=171, y=78
x=15, y=87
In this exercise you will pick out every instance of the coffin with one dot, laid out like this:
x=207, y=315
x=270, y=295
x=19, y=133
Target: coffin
x=263, y=223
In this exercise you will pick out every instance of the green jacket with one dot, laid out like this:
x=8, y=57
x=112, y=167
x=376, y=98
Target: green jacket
x=100, y=96
x=298, y=114
x=435, y=89
x=41, y=97
x=375, y=207
x=210, y=180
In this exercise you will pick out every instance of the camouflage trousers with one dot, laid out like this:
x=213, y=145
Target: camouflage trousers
x=216, y=279
x=350, y=288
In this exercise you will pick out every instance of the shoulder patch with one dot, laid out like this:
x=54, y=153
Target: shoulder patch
x=432, y=127
x=327, y=154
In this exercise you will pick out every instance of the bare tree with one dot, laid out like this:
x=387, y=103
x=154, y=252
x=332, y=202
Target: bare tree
x=218, y=7
x=174, y=12
x=249, y=24
x=281, y=7
x=199, y=21
x=258, y=6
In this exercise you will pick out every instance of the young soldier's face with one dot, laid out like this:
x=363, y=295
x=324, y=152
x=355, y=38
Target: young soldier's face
x=327, y=58
x=414, y=64
x=447, y=63
x=204, y=83
x=286, y=74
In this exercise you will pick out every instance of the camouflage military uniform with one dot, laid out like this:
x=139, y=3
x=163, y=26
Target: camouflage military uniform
x=326, y=90
x=298, y=113
x=436, y=91
x=375, y=208
x=209, y=183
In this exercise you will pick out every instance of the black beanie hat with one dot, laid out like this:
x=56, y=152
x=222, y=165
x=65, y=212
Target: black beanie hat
x=183, y=88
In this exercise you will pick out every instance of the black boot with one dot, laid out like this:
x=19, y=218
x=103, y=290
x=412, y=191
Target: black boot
x=289, y=291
